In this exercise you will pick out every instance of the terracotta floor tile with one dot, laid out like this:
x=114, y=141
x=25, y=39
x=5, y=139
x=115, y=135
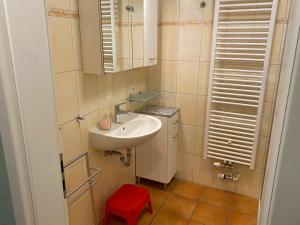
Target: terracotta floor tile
x=157, y=196
x=245, y=205
x=241, y=219
x=216, y=197
x=145, y=217
x=210, y=215
x=195, y=223
x=165, y=218
x=180, y=206
x=186, y=189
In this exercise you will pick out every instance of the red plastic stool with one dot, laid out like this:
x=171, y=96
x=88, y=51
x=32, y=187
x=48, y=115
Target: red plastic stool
x=127, y=202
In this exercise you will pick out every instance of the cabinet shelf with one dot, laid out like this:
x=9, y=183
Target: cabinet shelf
x=143, y=96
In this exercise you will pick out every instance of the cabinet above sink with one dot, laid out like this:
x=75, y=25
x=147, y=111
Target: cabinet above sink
x=118, y=35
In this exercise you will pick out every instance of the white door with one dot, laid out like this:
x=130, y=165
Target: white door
x=27, y=115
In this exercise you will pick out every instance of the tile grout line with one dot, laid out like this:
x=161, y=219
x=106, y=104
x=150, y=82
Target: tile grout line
x=193, y=212
x=158, y=210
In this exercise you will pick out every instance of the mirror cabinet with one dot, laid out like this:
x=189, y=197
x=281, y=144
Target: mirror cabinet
x=118, y=35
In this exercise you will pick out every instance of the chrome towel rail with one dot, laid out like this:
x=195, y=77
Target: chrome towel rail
x=84, y=186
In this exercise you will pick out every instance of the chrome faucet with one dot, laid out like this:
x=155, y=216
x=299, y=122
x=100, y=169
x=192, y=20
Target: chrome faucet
x=118, y=111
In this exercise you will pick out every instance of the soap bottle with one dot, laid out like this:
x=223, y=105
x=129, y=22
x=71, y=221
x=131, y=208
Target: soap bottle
x=105, y=124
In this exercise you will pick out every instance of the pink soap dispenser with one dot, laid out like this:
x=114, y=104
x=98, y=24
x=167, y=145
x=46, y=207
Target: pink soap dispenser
x=105, y=124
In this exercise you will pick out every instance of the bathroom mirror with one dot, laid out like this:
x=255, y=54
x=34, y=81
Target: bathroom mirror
x=124, y=27
x=119, y=35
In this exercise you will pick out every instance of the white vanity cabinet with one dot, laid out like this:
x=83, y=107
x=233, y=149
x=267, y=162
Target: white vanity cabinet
x=156, y=159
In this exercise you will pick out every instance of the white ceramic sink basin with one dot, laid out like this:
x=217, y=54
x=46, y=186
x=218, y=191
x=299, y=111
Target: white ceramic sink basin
x=133, y=130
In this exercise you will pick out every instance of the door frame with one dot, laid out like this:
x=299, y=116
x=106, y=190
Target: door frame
x=280, y=115
x=28, y=122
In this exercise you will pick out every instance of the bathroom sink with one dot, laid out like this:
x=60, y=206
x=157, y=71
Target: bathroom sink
x=133, y=130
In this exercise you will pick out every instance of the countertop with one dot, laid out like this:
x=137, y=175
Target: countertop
x=158, y=110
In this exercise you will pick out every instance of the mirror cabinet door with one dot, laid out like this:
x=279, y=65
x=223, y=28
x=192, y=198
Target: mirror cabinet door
x=123, y=34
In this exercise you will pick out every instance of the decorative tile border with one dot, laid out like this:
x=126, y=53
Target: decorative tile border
x=75, y=15
x=185, y=23
x=203, y=22
x=63, y=13
x=134, y=24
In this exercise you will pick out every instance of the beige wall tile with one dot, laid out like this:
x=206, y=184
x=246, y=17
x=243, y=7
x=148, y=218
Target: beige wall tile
x=168, y=42
x=186, y=138
x=203, y=171
x=65, y=96
x=81, y=211
x=154, y=77
x=187, y=77
x=75, y=174
x=76, y=43
x=70, y=140
x=91, y=120
x=74, y=5
x=185, y=166
x=250, y=182
x=266, y=119
x=227, y=185
x=199, y=141
x=273, y=75
x=206, y=42
x=190, y=10
x=203, y=78
x=168, y=75
x=278, y=43
x=100, y=196
x=168, y=10
x=106, y=90
x=187, y=105
x=58, y=4
x=138, y=78
x=201, y=110
x=61, y=44
x=121, y=86
x=87, y=91
x=283, y=9
x=261, y=152
x=167, y=99
x=189, y=42
x=208, y=11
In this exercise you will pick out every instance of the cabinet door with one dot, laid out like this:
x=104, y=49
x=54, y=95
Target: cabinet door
x=173, y=124
x=151, y=156
x=172, y=155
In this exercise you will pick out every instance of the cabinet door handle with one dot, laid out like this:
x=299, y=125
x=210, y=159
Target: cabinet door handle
x=176, y=136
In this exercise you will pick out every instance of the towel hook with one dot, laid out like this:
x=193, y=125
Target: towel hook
x=203, y=4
